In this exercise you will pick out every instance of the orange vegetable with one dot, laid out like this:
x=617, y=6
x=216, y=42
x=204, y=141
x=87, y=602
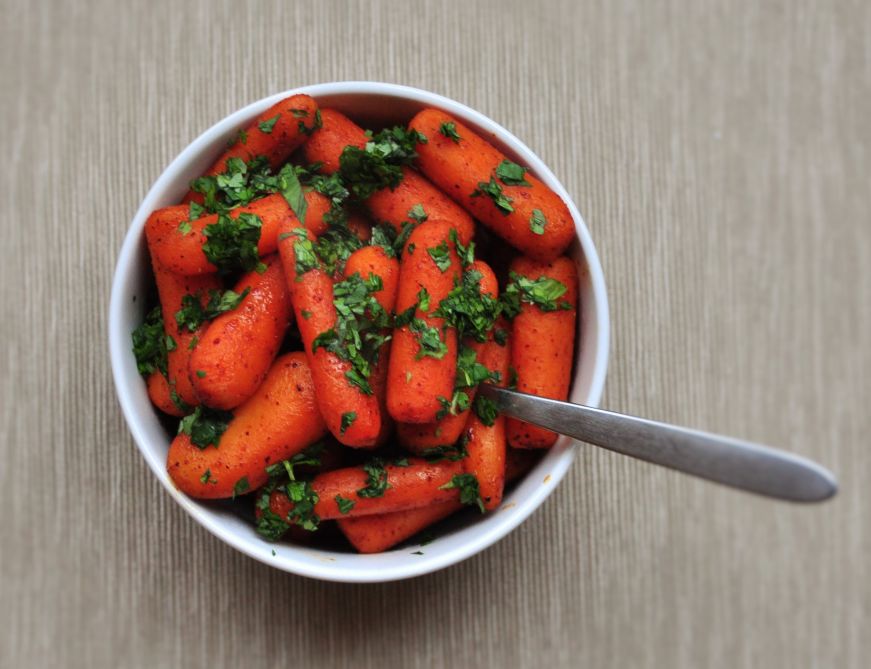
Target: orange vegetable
x=171, y=288
x=277, y=422
x=418, y=437
x=542, y=343
x=379, y=532
x=351, y=415
x=416, y=485
x=459, y=166
x=387, y=205
x=275, y=134
x=159, y=393
x=181, y=250
x=485, y=444
x=419, y=375
x=519, y=461
x=238, y=347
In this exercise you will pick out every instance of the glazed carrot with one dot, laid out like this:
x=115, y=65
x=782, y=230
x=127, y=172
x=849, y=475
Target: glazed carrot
x=172, y=288
x=418, y=437
x=275, y=134
x=180, y=249
x=159, y=393
x=518, y=462
x=423, y=355
x=278, y=421
x=541, y=345
x=326, y=144
x=516, y=206
x=387, y=205
x=379, y=532
x=369, y=261
x=352, y=415
x=485, y=439
x=419, y=483
x=238, y=347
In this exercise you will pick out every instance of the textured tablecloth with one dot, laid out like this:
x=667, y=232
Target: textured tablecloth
x=720, y=154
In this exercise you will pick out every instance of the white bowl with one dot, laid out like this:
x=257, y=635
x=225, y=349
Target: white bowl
x=377, y=104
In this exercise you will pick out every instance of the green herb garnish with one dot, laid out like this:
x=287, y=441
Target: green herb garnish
x=205, y=426
x=193, y=314
x=347, y=421
x=449, y=130
x=511, y=174
x=470, y=492
x=345, y=505
x=150, y=344
x=376, y=481
x=542, y=292
x=493, y=190
x=269, y=124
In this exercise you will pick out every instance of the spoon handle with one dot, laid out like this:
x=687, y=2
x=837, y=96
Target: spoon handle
x=736, y=463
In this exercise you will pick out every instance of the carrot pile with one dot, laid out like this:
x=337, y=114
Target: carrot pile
x=323, y=322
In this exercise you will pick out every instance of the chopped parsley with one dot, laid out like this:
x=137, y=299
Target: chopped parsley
x=201, y=374
x=268, y=125
x=466, y=254
x=417, y=214
x=304, y=499
x=358, y=334
x=270, y=525
x=458, y=403
x=150, y=344
x=470, y=493
x=345, y=505
x=304, y=253
x=449, y=130
x=318, y=123
x=195, y=210
x=232, y=243
x=193, y=314
x=379, y=164
x=207, y=477
x=237, y=185
x=494, y=191
x=441, y=256
x=500, y=336
x=429, y=339
x=335, y=246
x=537, y=222
x=467, y=309
x=347, y=421
x=542, y=292
x=242, y=486
x=451, y=452
x=205, y=426
x=184, y=227
x=470, y=372
x=485, y=409
x=511, y=174
x=423, y=299
x=309, y=456
x=401, y=462
x=376, y=481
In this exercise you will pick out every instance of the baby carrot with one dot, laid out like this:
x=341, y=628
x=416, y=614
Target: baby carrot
x=178, y=243
x=376, y=488
x=278, y=421
x=389, y=205
x=501, y=194
x=379, y=532
x=160, y=394
x=419, y=437
x=172, y=288
x=423, y=356
x=237, y=348
x=346, y=400
x=542, y=338
x=275, y=134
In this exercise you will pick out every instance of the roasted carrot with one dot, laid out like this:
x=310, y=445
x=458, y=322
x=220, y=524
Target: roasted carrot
x=389, y=205
x=275, y=134
x=160, y=394
x=379, y=532
x=351, y=411
x=172, y=288
x=278, y=421
x=418, y=437
x=519, y=461
x=503, y=196
x=238, y=347
x=178, y=243
x=376, y=489
x=374, y=261
x=485, y=434
x=542, y=341
x=423, y=355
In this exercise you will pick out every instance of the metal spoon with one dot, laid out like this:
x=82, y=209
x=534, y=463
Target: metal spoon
x=736, y=463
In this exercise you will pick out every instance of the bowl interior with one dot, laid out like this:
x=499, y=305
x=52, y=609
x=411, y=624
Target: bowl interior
x=373, y=105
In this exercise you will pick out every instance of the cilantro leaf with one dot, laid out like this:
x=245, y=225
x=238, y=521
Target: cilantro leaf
x=287, y=183
x=512, y=174
x=376, y=481
x=470, y=492
x=472, y=312
x=466, y=254
x=417, y=214
x=494, y=191
x=486, y=410
x=205, y=426
x=304, y=253
x=470, y=372
x=429, y=339
x=232, y=243
x=241, y=487
x=150, y=344
x=304, y=499
x=379, y=164
x=537, y=222
x=193, y=314
x=347, y=421
x=268, y=125
x=542, y=292
x=270, y=525
x=449, y=130
x=441, y=256
x=453, y=452
x=345, y=505
x=458, y=403
x=335, y=246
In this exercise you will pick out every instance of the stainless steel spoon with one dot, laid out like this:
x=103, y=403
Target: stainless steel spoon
x=736, y=463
